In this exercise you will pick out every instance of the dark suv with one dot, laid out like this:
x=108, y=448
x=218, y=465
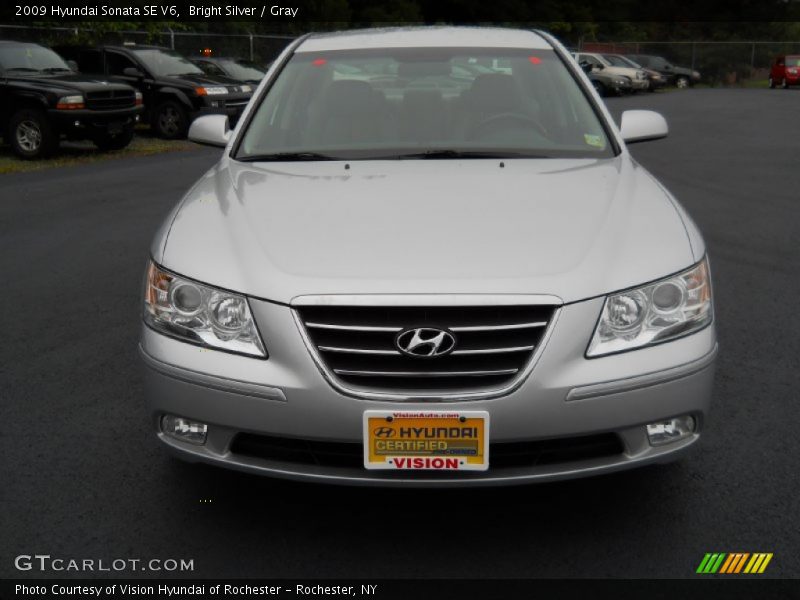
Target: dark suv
x=680, y=77
x=175, y=90
x=42, y=98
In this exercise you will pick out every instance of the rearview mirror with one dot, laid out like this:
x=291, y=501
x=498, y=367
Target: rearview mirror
x=211, y=130
x=132, y=72
x=642, y=126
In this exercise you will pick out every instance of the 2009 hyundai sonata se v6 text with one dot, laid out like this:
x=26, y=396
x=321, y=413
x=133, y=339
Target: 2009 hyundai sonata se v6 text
x=426, y=257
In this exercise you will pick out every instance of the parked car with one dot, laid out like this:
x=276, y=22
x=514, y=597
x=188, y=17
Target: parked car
x=785, y=71
x=680, y=77
x=638, y=77
x=655, y=79
x=607, y=84
x=346, y=296
x=43, y=99
x=241, y=70
x=175, y=90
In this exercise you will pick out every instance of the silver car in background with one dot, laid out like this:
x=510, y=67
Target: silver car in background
x=426, y=257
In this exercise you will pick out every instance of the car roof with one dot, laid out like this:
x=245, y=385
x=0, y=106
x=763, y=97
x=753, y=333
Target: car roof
x=424, y=37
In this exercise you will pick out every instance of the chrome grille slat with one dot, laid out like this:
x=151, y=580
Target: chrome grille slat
x=355, y=347
x=426, y=373
x=358, y=350
x=494, y=350
x=499, y=327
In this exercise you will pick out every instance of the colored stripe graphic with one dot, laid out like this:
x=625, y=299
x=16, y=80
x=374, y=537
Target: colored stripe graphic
x=734, y=562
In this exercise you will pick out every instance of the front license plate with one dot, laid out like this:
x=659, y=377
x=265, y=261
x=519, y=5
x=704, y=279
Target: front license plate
x=426, y=440
x=115, y=128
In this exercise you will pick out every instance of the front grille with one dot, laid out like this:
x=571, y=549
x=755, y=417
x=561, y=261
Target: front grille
x=502, y=455
x=110, y=99
x=356, y=346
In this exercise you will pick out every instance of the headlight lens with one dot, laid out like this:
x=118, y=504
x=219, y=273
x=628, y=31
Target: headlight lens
x=654, y=313
x=211, y=91
x=200, y=314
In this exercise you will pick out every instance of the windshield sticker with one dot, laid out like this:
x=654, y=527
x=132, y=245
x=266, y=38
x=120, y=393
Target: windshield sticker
x=594, y=140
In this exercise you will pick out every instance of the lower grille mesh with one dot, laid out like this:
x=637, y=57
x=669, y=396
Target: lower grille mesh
x=359, y=346
x=502, y=455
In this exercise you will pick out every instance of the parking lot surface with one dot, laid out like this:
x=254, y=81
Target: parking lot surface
x=84, y=477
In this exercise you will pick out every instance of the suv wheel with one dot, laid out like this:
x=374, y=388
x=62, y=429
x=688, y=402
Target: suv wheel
x=169, y=120
x=116, y=141
x=682, y=82
x=784, y=84
x=771, y=83
x=30, y=134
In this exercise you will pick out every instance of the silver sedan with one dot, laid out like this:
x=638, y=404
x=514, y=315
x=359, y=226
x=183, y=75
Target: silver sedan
x=426, y=257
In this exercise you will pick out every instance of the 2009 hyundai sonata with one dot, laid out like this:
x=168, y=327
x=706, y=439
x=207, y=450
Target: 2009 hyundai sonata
x=426, y=257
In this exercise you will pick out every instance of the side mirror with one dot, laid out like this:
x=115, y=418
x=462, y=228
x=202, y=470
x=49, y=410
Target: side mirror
x=586, y=66
x=132, y=72
x=211, y=130
x=668, y=67
x=72, y=65
x=643, y=126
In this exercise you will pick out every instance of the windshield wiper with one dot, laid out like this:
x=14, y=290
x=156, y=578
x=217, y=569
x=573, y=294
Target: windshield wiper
x=55, y=69
x=22, y=69
x=287, y=156
x=445, y=154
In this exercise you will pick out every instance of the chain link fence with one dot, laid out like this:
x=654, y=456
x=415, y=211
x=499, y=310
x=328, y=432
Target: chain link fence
x=256, y=47
x=719, y=63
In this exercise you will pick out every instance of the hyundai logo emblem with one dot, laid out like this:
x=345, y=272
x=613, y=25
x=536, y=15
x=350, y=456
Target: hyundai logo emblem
x=425, y=342
x=383, y=432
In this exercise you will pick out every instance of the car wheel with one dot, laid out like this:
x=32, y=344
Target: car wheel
x=771, y=83
x=116, y=141
x=682, y=82
x=169, y=120
x=599, y=88
x=31, y=135
x=784, y=84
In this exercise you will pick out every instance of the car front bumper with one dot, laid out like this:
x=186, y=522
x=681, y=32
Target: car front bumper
x=88, y=123
x=564, y=396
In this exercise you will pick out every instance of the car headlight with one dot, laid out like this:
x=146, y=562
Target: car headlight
x=654, y=313
x=211, y=91
x=70, y=103
x=246, y=89
x=200, y=314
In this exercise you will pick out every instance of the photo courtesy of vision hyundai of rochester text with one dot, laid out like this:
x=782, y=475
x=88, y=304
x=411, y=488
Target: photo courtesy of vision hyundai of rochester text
x=426, y=257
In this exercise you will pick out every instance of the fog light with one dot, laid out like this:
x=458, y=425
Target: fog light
x=671, y=430
x=184, y=429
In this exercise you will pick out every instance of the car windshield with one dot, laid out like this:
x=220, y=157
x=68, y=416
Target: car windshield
x=793, y=61
x=166, y=63
x=32, y=58
x=242, y=69
x=620, y=61
x=424, y=103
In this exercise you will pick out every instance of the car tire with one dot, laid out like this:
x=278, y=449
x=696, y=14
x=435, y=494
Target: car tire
x=784, y=84
x=682, y=82
x=599, y=88
x=771, y=83
x=107, y=142
x=31, y=135
x=170, y=121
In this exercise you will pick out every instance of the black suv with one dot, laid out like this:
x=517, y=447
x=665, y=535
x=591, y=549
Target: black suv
x=175, y=90
x=41, y=99
x=678, y=76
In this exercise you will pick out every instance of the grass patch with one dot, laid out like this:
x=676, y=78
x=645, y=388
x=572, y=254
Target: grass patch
x=84, y=152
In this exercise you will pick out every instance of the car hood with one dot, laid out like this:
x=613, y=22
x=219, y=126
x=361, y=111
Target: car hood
x=200, y=79
x=71, y=81
x=569, y=228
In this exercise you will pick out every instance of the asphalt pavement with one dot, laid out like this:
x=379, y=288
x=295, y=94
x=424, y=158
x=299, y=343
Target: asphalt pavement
x=84, y=477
